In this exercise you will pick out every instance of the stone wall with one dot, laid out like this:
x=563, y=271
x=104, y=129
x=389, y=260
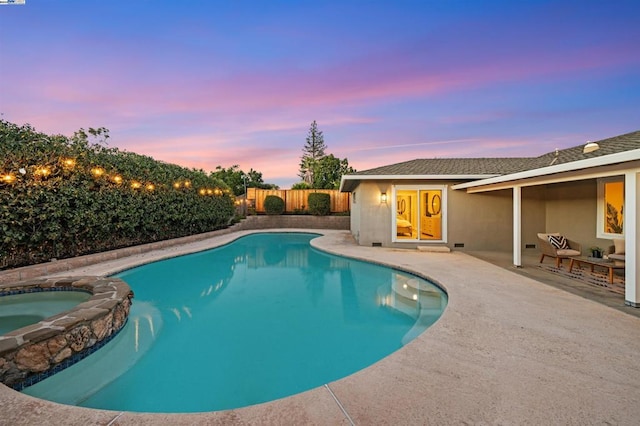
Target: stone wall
x=295, y=221
x=35, y=352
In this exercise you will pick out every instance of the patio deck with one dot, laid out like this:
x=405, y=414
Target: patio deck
x=530, y=268
x=512, y=347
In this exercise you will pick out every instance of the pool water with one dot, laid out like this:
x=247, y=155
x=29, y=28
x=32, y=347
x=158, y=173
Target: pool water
x=21, y=310
x=264, y=317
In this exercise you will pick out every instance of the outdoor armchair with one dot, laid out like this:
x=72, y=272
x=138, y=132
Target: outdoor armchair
x=559, y=253
x=616, y=251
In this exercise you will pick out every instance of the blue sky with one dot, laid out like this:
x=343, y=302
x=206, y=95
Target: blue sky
x=208, y=83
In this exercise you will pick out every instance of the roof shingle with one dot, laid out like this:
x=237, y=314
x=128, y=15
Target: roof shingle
x=505, y=165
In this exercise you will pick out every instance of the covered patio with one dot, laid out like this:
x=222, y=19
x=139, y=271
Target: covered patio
x=558, y=213
x=531, y=268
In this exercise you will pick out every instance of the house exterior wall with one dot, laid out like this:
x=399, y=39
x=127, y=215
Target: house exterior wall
x=355, y=212
x=371, y=219
x=534, y=216
x=484, y=221
x=481, y=221
x=571, y=209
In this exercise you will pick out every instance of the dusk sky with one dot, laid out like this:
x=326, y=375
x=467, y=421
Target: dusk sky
x=208, y=83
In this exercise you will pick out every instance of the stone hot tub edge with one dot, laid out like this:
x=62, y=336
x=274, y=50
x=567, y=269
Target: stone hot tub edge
x=35, y=352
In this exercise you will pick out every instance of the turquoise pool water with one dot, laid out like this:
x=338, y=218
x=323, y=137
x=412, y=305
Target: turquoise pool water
x=264, y=317
x=20, y=310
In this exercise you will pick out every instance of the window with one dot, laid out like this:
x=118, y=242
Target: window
x=419, y=213
x=610, y=207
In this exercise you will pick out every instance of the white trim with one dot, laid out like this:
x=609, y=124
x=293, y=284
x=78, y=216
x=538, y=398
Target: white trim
x=620, y=157
x=443, y=210
x=417, y=177
x=346, y=178
x=517, y=226
x=632, y=238
x=600, y=233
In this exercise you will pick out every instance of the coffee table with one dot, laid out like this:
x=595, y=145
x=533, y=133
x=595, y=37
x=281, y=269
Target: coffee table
x=611, y=265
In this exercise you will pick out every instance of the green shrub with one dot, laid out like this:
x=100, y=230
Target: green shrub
x=273, y=205
x=70, y=210
x=319, y=204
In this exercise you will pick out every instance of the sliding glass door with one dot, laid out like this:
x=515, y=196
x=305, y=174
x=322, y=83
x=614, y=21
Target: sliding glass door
x=418, y=213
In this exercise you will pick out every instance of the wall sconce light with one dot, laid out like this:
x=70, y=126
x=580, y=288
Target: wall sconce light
x=383, y=198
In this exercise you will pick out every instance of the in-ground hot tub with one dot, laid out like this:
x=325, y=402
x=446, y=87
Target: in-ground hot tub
x=21, y=310
x=34, y=352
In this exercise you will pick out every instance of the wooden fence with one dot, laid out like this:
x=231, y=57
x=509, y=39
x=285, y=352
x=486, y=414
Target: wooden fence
x=295, y=200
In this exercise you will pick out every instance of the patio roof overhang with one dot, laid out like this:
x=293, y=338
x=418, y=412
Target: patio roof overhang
x=350, y=182
x=577, y=170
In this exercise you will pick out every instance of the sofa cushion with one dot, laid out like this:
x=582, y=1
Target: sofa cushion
x=619, y=244
x=616, y=256
x=568, y=252
x=558, y=241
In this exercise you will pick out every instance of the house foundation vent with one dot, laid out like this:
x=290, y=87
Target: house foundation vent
x=376, y=244
x=529, y=246
x=458, y=245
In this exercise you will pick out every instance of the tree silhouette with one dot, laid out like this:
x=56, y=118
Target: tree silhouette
x=312, y=153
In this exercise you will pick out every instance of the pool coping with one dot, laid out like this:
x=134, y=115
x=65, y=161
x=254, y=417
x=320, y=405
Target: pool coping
x=32, y=353
x=507, y=350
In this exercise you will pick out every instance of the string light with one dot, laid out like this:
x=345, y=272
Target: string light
x=150, y=187
x=135, y=185
x=68, y=162
x=43, y=171
x=117, y=179
x=97, y=171
x=8, y=178
x=177, y=185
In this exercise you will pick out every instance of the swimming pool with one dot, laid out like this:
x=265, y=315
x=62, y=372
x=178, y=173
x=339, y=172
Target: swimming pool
x=262, y=318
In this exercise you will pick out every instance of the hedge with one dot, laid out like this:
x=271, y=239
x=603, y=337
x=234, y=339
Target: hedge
x=63, y=197
x=319, y=204
x=273, y=205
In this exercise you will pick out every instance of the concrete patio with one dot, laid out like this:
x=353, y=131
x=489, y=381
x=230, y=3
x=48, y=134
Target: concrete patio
x=514, y=346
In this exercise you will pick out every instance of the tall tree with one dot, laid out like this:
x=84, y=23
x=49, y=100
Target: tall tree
x=312, y=152
x=329, y=172
x=237, y=179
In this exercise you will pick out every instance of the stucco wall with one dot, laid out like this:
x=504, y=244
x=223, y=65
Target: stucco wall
x=571, y=210
x=479, y=221
x=534, y=215
x=484, y=221
x=372, y=216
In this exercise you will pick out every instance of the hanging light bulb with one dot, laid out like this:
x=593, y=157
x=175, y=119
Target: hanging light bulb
x=97, y=171
x=8, y=178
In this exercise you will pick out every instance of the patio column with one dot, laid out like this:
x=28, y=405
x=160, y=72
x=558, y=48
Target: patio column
x=517, y=226
x=632, y=238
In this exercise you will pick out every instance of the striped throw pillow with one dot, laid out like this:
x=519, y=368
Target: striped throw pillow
x=558, y=241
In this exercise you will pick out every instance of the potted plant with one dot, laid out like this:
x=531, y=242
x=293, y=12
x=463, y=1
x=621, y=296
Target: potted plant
x=596, y=252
